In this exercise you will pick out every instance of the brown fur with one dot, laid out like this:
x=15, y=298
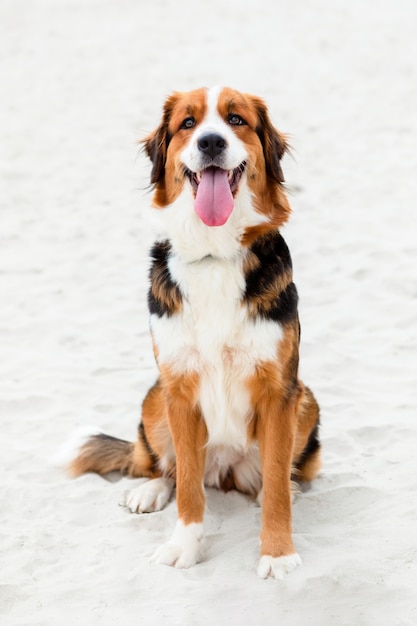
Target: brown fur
x=167, y=173
x=308, y=465
x=286, y=413
x=172, y=441
x=264, y=171
x=189, y=435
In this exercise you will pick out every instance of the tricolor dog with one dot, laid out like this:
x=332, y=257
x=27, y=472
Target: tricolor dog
x=228, y=409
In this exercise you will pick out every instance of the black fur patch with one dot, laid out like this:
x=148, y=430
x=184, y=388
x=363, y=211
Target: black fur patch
x=149, y=450
x=269, y=287
x=284, y=309
x=164, y=295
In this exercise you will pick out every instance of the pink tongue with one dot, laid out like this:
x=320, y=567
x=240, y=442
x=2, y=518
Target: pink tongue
x=214, y=201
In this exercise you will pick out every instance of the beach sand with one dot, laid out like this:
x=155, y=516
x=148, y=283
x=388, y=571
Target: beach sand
x=81, y=82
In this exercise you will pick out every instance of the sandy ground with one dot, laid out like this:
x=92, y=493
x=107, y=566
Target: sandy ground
x=81, y=81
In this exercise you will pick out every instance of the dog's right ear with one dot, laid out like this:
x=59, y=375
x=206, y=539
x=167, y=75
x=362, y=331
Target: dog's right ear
x=156, y=144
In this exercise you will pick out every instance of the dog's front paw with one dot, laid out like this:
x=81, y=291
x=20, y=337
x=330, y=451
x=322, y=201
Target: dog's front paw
x=184, y=548
x=149, y=496
x=277, y=567
x=176, y=555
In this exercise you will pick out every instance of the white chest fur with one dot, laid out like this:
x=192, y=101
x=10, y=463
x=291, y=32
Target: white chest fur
x=213, y=336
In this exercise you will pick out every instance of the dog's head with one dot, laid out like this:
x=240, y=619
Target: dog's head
x=216, y=143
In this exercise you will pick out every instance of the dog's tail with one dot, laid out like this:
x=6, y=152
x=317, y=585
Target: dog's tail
x=102, y=454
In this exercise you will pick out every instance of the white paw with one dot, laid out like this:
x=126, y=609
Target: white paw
x=277, y=567
x=149, y=496
x=184, y=548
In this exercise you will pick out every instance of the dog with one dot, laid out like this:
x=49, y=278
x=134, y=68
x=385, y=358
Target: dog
x=228, y=409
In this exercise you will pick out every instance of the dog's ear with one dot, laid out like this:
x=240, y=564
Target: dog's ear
x=156, y=144
x=273, y=142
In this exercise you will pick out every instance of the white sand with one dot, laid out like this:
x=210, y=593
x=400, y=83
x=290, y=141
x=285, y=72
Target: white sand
x=81, y=80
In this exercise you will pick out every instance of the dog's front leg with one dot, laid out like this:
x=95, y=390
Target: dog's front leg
x=189, y=435
x=275, y=431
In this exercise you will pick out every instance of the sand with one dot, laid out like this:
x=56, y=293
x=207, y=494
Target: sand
x=81, y=81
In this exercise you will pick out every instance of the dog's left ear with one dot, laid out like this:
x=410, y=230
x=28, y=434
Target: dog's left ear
x=273, y=142
x=156, y=144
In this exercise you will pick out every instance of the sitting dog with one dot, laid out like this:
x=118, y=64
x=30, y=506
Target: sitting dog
x=228, y=409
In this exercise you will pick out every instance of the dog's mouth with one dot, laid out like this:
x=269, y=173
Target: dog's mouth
x=214, y=190
x=233, y=176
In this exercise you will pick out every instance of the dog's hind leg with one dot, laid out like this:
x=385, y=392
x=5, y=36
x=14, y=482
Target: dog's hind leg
x=307, y=449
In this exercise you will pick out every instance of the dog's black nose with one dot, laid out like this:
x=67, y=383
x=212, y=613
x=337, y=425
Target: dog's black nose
x=211, y=144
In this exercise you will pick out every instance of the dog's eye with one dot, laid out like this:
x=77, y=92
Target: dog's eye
x=189, y=122
x=235, y=120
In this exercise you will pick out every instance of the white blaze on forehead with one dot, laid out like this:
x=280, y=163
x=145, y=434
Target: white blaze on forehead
x=213, y=115
x=235, y=152
x=213, y=122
